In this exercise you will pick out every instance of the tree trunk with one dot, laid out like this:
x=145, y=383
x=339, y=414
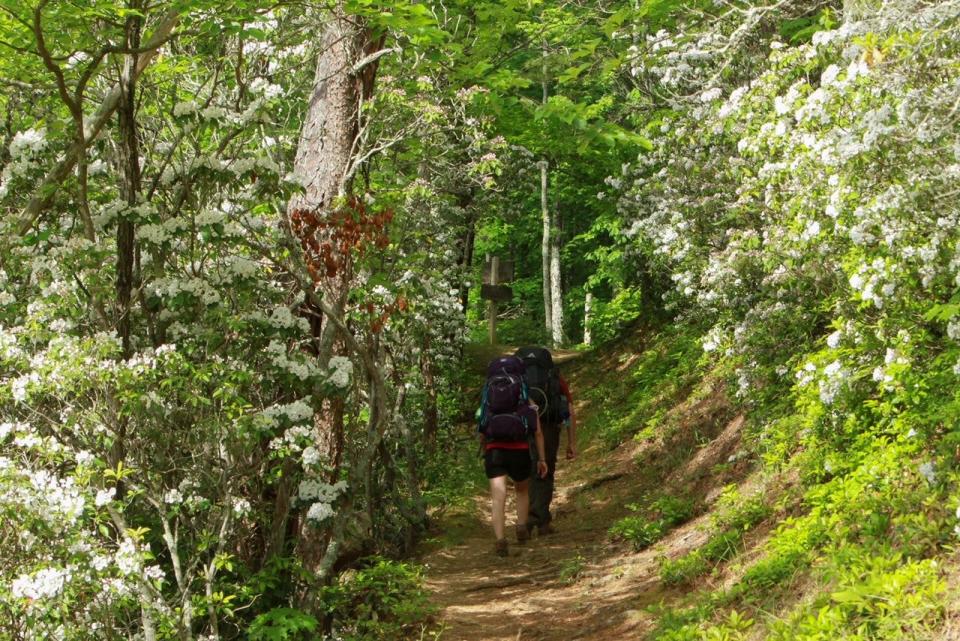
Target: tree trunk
x=324, y=166
x=323, y=158
x=587, y=309
x=556, y=286
x=129, y=158
x=130, y=168
x=545, y=251
x=466, y=248
x=545, y=215
x=431, y=414
x=129, y=153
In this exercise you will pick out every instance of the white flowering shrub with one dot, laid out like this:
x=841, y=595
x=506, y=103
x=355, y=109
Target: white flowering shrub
x=819, y=200
x=799, y=198
x=165, y=489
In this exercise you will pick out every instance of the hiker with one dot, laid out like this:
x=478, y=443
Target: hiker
x=507, y=422
x=550, y=392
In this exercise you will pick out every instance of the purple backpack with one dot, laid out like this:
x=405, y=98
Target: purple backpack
x=503, y=396
x=506, y=365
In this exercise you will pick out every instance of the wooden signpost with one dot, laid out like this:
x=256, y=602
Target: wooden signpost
x=495, y=273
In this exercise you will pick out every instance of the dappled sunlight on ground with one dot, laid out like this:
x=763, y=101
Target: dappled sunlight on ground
x=579, y=583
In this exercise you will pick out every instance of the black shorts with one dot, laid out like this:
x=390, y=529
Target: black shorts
x=513, y=463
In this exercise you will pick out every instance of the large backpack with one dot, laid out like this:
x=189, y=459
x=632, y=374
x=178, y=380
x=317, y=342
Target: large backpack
x=543, y=382
x=506, y=365
x=504, y=395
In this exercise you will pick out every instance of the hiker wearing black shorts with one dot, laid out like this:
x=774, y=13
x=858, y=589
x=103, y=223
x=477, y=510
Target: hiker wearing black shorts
x=507, y=422
x=510, y=458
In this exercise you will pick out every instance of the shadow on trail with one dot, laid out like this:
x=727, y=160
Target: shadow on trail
x=578, y=583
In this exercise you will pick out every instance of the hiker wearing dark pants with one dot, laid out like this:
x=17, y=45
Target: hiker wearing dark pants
x=541, y=488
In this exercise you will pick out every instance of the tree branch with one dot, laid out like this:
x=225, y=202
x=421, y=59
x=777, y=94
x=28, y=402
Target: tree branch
x=368, y=60
x=48, y=187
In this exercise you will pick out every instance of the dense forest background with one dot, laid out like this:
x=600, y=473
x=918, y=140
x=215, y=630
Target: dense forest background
x=241, y=258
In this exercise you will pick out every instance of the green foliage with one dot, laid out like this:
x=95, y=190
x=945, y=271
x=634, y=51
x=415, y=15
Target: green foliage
x=680, y=624
x=633, y=405
x=571, y=568
x=733, y=518
x=282, y=624
x=384, y=600
x=665, y=513
x=609, y=318
x=878, y=594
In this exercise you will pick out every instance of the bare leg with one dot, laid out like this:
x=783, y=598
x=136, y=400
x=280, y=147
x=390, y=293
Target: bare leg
x=498, y=498
x=523, y=502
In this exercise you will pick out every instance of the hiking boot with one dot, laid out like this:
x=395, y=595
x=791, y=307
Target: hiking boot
x=544, y=530
x=500, y=547
x=523, y=533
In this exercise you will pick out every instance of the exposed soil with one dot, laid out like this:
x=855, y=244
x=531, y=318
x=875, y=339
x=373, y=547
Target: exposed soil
x=578, y=583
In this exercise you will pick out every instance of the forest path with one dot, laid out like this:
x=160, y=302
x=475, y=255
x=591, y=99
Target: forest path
x=578, y=583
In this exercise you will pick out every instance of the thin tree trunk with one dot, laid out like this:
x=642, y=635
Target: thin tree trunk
x=466, y=248
x=587, y=309
x=130, y=167
x=431, y=414
x=545, y=214
x=545, y=251
x=129, y=154
x=556, y=286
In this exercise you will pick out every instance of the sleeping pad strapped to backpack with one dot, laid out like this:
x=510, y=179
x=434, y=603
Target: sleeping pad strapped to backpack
x=504, y=395
x=543, y=382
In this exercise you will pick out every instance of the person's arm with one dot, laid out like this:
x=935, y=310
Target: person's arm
x=572, y=428
x=541, y=450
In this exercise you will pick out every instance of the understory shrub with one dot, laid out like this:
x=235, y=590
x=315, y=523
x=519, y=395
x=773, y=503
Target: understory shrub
x=665, y=513
x=384, y=600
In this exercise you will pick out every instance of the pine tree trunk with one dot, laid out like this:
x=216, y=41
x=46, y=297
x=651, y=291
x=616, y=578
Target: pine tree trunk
x=323, y=164
x=556, y=286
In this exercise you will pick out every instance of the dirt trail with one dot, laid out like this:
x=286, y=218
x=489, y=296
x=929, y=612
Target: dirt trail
x=577, y=583
x=563, y=586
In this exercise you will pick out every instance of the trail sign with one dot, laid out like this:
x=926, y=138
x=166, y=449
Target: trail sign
x=492, y=291
x=504, y=272
x=496, y=292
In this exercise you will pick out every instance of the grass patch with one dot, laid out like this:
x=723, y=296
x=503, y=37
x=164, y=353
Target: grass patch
x=663, y=514
x=735, y=516
x=636, y=401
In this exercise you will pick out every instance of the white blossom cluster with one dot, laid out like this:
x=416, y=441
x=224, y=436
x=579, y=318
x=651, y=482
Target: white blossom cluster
x=340, y=371
x=321, y=497
x=787, y=188
x=25, y=148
